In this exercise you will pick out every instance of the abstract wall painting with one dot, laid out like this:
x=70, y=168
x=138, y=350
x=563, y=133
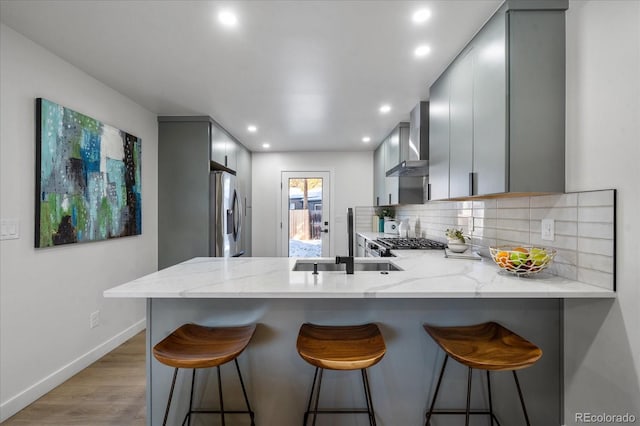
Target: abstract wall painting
x=87, y=178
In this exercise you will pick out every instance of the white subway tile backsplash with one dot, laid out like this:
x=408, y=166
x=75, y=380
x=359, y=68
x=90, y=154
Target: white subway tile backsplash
x=564, y=270
x=560, y=241
x=597, y=278
x=513, y=213
x=485, y=212
x=509, y=203
x=561, y=227
x=483, y=222
x=595, y=230
x=485, y=233
x=569, y=257
x=596, y=262
x=596, y=198
x=595, y=246
x=519, y=237
x=556, y=213
x=583, y=228
x=513, y=224
x=556, y=200
x=484, y=204
x=595, y=214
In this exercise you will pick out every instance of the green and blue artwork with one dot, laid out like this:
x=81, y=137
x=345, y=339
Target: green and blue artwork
x=87, y=178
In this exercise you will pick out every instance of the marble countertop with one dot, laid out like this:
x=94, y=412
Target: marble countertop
x=425, y=274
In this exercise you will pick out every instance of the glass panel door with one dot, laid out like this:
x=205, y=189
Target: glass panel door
x=305, y=224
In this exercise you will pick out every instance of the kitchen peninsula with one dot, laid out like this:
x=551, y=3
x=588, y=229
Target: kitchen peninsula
x=428, y=288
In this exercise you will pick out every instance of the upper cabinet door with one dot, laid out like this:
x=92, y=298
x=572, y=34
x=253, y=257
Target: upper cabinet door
x=439, y=139
x=461, y=126
x=379, y=176
x=490, y=108
x=231, y=154
x=218, y=144
x=392, y=144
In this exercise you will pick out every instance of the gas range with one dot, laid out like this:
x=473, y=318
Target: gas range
x=382, y=246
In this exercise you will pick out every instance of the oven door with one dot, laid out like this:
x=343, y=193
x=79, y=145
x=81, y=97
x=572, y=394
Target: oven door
x=372, y=250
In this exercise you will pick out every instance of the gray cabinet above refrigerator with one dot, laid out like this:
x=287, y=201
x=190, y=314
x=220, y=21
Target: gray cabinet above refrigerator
x=186, y=194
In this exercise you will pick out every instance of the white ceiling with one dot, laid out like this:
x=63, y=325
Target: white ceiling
x=310, y=74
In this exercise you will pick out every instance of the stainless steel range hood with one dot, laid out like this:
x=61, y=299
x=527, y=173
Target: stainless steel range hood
x=414, y=154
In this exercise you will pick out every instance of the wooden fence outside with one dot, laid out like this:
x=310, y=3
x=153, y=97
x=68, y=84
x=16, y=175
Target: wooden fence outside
x=305, y=225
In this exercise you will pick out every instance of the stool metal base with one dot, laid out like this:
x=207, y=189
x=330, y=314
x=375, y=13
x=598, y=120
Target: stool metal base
x=367, y=393
x=221, y=411
x=468, y=412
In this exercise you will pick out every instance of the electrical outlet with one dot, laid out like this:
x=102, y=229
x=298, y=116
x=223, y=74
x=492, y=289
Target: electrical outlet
x=548, y=229
x=94, y=319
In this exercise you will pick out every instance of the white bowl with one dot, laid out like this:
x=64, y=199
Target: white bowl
x=457, y=247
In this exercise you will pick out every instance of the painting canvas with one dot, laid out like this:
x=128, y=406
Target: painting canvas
x=87, y=178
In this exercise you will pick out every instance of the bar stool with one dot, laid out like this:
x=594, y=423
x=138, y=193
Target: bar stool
x=355, y=347
x=488, y=346
x=195, y=346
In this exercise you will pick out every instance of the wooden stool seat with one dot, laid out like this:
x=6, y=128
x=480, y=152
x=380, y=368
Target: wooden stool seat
x=487, y=346
x=196, y=346
x=341, y=347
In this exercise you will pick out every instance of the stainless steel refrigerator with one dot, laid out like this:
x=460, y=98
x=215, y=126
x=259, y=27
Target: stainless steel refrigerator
x=225, y=216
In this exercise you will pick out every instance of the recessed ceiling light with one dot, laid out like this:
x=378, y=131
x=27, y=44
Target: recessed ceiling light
x=385, y=109
x=422, y=50
x=421, y=16
x=228, y=18
x=252, y=128
x=266, y=145
x=366, y=139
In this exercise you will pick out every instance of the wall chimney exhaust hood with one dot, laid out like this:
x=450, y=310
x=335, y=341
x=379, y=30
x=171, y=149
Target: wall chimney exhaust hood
x=414, y=154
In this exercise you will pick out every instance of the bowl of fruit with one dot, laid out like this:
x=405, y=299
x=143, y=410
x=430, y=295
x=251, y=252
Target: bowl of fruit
x=522, y=260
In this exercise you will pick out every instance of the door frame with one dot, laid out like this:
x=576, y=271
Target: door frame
x=283, y=207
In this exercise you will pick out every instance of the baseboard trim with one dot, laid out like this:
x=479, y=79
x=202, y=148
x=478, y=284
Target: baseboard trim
x=32, y=393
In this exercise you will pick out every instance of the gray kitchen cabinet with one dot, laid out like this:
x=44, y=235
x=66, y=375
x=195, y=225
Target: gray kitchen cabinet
x=394, y=190
x=186, y=147
x=223, y=147
x=461, y=125
x=439, y=139
x=243, y=157
x=490, y=108
x=379, y=175
x=392, y=158
x=505, y=107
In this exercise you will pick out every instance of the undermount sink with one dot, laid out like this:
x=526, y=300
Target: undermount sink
x=328, y=266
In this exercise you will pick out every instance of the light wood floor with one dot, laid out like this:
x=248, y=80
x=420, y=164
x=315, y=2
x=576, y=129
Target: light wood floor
x=109, y=392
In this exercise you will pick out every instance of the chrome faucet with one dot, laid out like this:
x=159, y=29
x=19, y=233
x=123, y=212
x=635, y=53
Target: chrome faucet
x=348, y=260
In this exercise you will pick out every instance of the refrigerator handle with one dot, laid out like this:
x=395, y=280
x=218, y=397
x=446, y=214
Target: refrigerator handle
x=237, y=215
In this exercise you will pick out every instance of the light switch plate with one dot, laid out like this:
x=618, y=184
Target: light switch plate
x=9, y=229
x=548, y=229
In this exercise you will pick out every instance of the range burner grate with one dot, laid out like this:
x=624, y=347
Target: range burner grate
x=411, y=243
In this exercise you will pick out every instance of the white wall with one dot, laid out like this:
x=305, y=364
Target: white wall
x=46, y=295
x=602, y=338
x=351, y=185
